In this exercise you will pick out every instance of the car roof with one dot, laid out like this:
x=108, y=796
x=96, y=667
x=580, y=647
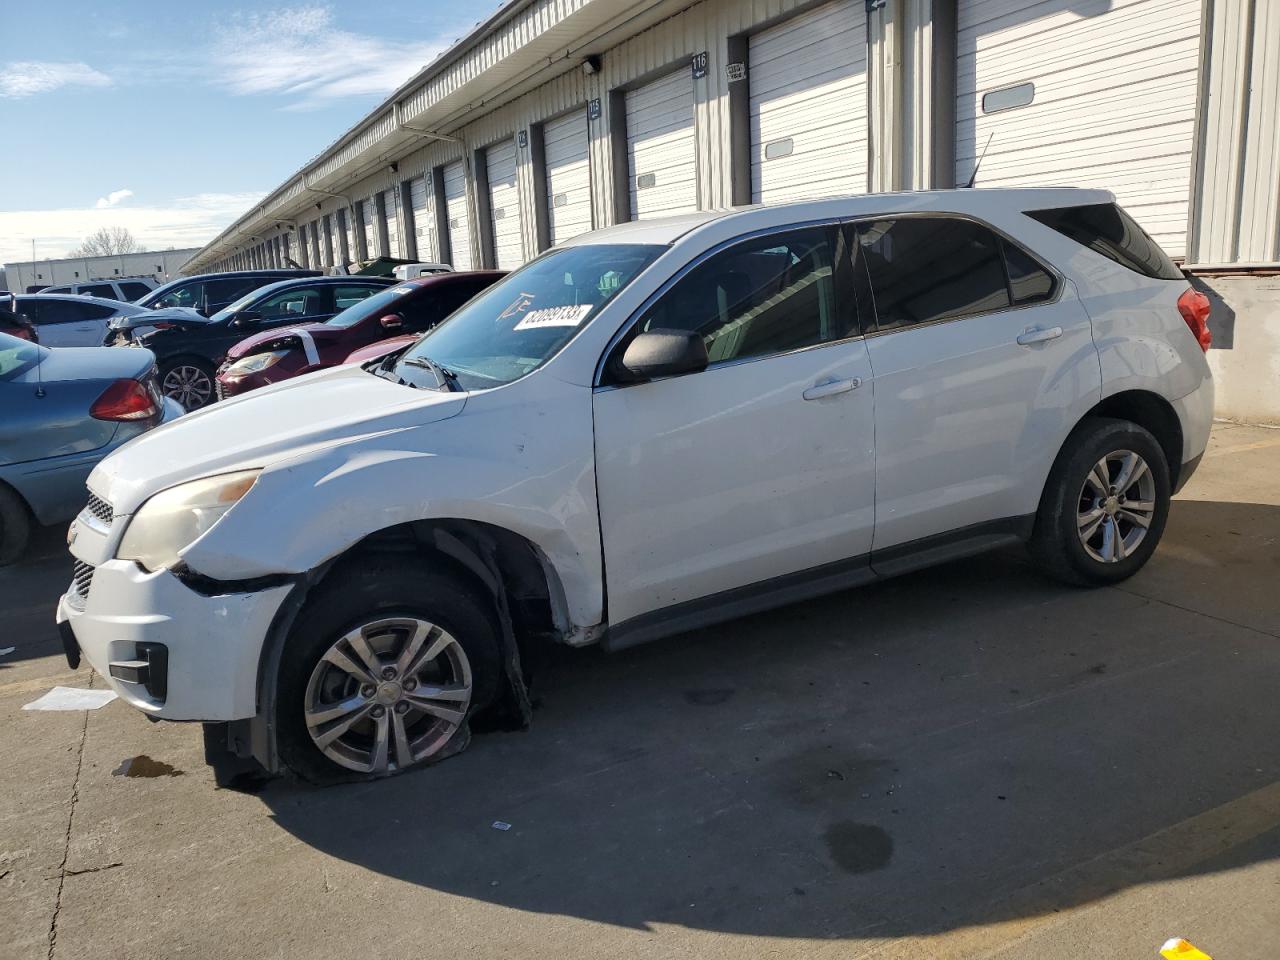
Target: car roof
x=79, y=298
x=453, y=276
x=288, y=282
x=667, y=230
x=282, y=273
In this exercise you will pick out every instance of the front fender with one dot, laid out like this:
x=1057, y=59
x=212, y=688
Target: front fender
x=522, y=463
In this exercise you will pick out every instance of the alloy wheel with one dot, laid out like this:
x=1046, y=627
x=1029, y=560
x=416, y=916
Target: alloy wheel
x=1116, y=506
x=189, y=385
x=387, y=695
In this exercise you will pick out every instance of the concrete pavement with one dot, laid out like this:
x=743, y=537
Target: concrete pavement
x=967, y=762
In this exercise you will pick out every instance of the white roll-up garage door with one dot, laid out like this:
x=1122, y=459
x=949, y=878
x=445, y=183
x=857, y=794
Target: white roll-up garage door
x=371, y=245
x=1067, y=99
x=566, y=148
x=504, y=205
x=335, y=237
x=455, y=198
x=424, y=217
x=808, y=79
x=661, y=154
x=391, y=203
x=348, y=224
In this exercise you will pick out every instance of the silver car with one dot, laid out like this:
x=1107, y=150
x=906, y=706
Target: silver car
x=69, y=320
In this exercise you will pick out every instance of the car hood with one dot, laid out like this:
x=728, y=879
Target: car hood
x=282, y=338
x=146, y=318
x=265, y=428
x=90, y=363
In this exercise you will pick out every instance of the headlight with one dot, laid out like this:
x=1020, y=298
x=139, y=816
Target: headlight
x=259, y=361
x=172, y=519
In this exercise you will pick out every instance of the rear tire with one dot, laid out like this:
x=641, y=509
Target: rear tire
x=15, y=526
x=382, y=669
x=189, y=380
x=1104, y=506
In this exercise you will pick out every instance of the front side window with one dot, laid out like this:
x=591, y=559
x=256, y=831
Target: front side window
x=523, y=320
x=759, y=297
x=298, y=302
x=926, y=269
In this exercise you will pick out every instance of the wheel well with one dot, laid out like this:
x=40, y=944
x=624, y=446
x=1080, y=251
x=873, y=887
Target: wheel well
x=1155, y=414
x=533, y=596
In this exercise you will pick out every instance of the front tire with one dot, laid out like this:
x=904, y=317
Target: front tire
x=189, y=381
x=1105, y=505
x=382, y=672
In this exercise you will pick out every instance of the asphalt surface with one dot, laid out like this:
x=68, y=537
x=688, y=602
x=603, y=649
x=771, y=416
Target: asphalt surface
x=967, y=762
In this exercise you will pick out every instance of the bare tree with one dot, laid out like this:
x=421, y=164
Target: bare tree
x=107, y=242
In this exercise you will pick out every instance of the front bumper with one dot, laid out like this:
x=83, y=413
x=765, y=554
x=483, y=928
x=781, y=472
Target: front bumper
x=212, y=644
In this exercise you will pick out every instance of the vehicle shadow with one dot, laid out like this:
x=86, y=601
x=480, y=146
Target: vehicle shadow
x=962, y=746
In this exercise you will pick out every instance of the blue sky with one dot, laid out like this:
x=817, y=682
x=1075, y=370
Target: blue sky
x=171, y=119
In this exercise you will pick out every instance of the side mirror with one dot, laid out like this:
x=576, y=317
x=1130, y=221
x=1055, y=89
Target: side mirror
x=663, y=353
x=245, y=318
x=392, y=321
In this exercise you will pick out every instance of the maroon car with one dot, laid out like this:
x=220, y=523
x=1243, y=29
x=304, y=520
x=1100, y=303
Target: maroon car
x=410, y=307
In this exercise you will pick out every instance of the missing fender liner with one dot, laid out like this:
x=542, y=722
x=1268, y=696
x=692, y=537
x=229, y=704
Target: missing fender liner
x=209, y=587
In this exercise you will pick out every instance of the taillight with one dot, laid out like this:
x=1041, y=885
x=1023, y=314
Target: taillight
x=124, y=400
x=1194, y=307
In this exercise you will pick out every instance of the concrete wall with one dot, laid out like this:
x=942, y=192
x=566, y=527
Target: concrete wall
x=160, y=265
x=1245, y=355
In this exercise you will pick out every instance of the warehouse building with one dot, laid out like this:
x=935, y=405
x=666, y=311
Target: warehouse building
x=558, y=116
x=32, y=275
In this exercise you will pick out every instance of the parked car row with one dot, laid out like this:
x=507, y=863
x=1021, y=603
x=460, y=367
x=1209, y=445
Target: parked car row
x=648, y=429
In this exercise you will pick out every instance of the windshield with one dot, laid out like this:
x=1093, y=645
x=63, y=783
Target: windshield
x=378, y=304
x=17, y=356
x=524, y=319
x=237, y=305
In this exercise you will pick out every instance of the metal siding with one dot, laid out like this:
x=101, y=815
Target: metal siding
x=808, y=78
x=1114, y=107
x=504, y=205
x=455, y=194
x=568, y=179
x=661, y=149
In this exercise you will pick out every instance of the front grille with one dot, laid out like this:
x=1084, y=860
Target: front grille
x=81, y=583
x=100, y=509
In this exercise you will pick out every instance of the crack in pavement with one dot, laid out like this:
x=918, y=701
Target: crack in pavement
x=66, y=843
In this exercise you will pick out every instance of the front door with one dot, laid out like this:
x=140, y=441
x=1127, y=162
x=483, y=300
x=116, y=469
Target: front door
x=761, y=465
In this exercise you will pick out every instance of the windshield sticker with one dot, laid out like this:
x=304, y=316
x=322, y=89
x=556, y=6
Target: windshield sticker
x=519, y=305
x=568, y=316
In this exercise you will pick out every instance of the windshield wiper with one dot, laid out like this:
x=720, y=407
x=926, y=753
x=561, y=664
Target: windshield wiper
x=443, y=374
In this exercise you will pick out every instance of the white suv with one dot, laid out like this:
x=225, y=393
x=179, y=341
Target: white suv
x=656, y=426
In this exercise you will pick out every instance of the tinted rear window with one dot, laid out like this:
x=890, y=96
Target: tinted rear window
x=1106, y=229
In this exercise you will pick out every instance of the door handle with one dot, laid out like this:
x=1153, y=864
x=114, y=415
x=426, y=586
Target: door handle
x=829, y=388
x=1028, y=337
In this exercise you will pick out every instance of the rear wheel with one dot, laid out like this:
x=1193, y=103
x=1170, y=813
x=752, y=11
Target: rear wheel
x=382, y=671
x=15, y=526
x=1105, y=506
x=187, y=380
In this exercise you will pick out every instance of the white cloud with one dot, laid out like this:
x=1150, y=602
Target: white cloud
x=183, y=222
x=297, y=52
x=112, y=198
x=26, y=78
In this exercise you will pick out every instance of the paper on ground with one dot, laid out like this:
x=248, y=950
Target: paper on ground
x=71, y=698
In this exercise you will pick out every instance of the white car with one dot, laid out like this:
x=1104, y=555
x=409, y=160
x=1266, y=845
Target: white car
x=125, y=289
x=654, y=427
x=69, y=320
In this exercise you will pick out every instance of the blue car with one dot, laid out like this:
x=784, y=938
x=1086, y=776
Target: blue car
x=61, y=411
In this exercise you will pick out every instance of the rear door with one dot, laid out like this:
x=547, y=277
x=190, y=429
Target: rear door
x=758, y=467
x=70, y=323
x=983, y=360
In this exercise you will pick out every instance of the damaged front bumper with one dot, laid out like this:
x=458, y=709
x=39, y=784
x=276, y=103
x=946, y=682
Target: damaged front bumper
x=172, y=652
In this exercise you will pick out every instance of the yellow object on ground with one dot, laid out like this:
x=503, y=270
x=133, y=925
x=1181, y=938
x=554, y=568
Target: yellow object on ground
x=1178, y=949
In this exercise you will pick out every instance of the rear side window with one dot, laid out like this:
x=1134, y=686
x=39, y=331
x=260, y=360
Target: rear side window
x=99, y=290
x=134, y=291
x=219, y=293
x=349, y=296
x=1106, y=229
x=926, y=269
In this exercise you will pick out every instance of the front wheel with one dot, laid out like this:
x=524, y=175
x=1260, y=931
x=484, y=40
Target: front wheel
x=382, y=671
x=189, y=381
x=1105, y=505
